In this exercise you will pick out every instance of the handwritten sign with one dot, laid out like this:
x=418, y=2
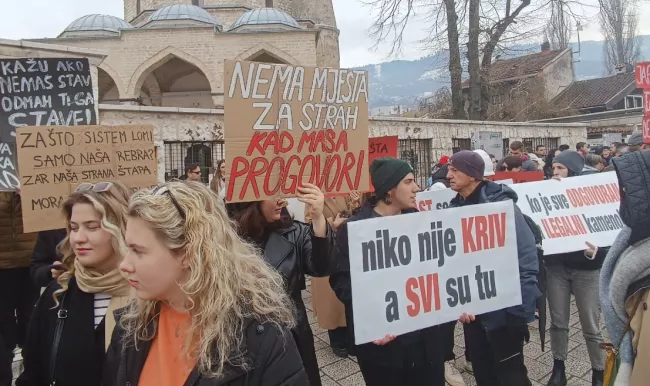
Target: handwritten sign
x=381, y=147
x=53, y=160
x=414, y=271
x=8, y=174
x=573, y=210
x=642, y=74
x=290, y=124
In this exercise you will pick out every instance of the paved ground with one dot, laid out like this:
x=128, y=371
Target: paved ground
x=345, y=372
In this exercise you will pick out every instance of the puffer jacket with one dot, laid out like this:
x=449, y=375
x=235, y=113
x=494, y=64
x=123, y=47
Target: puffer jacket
x=15, y=246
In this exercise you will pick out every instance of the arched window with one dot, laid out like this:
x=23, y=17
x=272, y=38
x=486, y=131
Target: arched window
x=269, y=3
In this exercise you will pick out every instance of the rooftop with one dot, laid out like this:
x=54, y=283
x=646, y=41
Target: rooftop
x=595, y=92
x=265, y=16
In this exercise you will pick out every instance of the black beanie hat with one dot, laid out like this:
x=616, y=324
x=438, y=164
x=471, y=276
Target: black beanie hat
x=572, y=160
x=386, y=173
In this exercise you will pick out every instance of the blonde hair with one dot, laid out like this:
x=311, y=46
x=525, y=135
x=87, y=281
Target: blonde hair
x=111, y=206
x=229, y=283
x=217, y=178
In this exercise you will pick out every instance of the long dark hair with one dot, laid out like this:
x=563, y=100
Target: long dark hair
x=251, y=223
x=548, y=163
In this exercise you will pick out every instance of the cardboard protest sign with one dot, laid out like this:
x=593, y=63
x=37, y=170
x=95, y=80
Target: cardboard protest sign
x=573, y=211
x=381, y=147
x=518, y=177
x=286, y=125
x=54, y=160
x=40, y=92
x=414, y=271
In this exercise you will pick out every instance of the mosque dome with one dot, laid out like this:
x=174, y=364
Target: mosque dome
x=183, y=12
x=97, y=23
x=265, y=16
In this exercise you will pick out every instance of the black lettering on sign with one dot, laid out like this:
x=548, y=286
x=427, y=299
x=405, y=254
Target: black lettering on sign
x=44, y=92
x=8, y=174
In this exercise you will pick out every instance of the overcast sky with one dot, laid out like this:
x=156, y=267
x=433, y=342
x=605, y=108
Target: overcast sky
x=47, y=18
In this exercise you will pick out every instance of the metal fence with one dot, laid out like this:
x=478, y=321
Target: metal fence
x=417, y=152
x=458, y=144
x=549, y=143
x=178, y=154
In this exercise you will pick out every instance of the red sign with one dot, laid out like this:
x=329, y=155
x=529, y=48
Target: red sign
x=381, y=147
x=646, y=128
x=518, y=177
x=646, y=101
x=642, y=72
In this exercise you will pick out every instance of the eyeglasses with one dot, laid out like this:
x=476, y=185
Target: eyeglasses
x=164, y=189
x=97, y=188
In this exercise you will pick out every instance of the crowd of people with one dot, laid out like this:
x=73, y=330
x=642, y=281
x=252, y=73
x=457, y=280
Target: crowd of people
x=173, y=286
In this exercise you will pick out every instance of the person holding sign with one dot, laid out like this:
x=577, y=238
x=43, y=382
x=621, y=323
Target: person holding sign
x=416, y=358
x=209, y=311
x=496, y=340
x=295, y=249
x=73, y=320
x=574, y=273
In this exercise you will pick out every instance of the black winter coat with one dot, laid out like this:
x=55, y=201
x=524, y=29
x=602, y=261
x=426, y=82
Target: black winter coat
x=273, y=355
x=424, y=346
x=80, y=356
x=296, y=252
x=44, y=255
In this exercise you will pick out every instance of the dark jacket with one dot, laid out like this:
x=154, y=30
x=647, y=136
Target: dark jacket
x=45, y=253
x=80, y=356
x=15, y=245
x=421, y=345
x=273, y=356
x=296, y=252
x=527, y=256
x=440, y=175
x=633, y=172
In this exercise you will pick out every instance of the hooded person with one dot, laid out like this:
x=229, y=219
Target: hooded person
x=489, y=170
x=495, y=340
x=415, y=358
x=625, y=276
x=574, y=273
x=439, y=176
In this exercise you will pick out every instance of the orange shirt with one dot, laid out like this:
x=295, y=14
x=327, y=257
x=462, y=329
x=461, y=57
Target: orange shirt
x=166, y=365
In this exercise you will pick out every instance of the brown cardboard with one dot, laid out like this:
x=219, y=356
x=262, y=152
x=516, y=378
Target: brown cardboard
x=280, y=163
x=54, y=160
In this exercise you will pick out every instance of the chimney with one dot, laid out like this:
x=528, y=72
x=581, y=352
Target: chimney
x=546, y=46
x=621, y=68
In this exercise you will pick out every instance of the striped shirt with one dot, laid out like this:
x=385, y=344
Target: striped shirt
x=101, y=305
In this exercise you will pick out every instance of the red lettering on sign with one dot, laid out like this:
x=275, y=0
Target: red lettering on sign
x=483, y=232
x=428, y=297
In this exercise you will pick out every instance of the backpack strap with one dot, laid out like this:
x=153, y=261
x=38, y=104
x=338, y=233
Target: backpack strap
x=62, y=315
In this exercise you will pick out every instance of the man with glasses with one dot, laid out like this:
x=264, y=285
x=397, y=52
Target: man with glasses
x=192, y=173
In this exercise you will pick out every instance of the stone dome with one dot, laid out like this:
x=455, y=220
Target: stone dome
x=106, y=23
x=184, y=12
x=265, y=16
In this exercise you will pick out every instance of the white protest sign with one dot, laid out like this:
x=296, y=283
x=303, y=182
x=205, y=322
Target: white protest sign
x=573, y=210
x=419, y=270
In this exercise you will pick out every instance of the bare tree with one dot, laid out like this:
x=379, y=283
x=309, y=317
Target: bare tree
x=619, y=22
x=436, y=106
x=558, y=31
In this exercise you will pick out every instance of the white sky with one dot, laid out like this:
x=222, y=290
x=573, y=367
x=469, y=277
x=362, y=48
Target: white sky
x=22, y=19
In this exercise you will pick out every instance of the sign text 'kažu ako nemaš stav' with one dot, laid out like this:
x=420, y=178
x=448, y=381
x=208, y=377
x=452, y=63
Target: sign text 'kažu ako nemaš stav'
x=53, y=160
x=286, y=125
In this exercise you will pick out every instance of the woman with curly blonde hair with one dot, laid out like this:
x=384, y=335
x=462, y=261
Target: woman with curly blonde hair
x=209, y=310
x=73, y=321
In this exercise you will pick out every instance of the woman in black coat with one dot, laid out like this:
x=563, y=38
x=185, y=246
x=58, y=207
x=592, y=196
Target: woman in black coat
x=72, y=322
x=294, y=249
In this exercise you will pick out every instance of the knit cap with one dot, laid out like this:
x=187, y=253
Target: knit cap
x=386, y=173
x=572, y=160
x=469, y=163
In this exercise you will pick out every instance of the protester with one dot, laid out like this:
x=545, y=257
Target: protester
x=494, y=161
x=495, y=340
x=295, y=249
x=582, y=148
x=548, y=163
x=219, y=183
x=540, y=151
x=46, y=259
x=620, y=151
x=488, y=160
x=73, y=319
x=593, y=164
x=416, y=358
x=210, y=311
x=439, y=176
x=17, y=292
x=517, y=150
x=635, y=142
x=328, y=309
x=564, y=148
x=192, y=173
x=574, y=273
x=606, y=154
x=512, y=164
x=625, y=276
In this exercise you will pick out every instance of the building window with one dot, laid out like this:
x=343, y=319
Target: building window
x=458, y=144
x=532, y=143
x=269, y=3
x=178, y=154
x=633, y=101
x=417, y=152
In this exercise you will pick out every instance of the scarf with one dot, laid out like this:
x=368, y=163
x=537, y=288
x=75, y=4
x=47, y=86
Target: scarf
x=624, y=265
x=111, y=283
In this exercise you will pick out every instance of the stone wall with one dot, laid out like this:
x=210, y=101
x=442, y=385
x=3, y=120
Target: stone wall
x=179, y=124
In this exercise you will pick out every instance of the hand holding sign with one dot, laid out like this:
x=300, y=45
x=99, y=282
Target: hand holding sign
x=467, y=318
x=311, y=195
x=591, y=249
x=385, y=340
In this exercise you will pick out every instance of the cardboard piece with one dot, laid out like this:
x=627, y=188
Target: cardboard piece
x=54, y=160
x=287, y=125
